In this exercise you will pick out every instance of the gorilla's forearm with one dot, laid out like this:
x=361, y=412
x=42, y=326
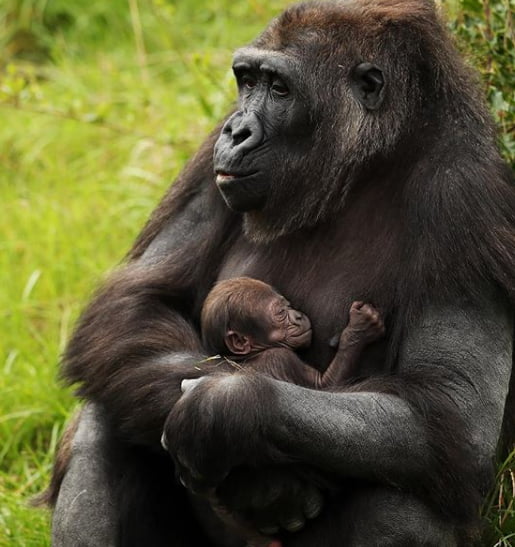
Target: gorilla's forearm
x=138, y=400
x=130, y=349
x=342, y=432
x=145, y=367
x=442, y=411
x=385, y=438
x=122, y=355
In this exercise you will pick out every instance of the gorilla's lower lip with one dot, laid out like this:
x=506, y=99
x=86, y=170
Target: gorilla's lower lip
x=242, y=192
x=222, y=176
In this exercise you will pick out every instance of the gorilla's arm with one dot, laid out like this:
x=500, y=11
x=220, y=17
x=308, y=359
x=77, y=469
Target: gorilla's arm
x=401, y=430
x=136, y=340
x=455, y=365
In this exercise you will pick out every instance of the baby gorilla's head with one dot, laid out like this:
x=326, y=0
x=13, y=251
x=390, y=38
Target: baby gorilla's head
x=243, y=316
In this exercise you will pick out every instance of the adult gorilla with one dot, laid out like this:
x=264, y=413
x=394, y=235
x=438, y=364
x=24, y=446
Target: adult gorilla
x=360, y=164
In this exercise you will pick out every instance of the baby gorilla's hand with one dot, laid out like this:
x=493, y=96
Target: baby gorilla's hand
x=365, y=323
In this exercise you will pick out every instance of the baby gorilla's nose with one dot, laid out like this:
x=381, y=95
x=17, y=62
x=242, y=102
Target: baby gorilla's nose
x=298, y=316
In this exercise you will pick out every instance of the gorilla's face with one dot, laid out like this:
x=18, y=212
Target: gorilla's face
x=268, y=132
x=308, y=119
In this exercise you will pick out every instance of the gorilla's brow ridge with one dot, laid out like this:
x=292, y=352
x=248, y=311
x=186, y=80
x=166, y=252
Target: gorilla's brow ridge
x=283, y=62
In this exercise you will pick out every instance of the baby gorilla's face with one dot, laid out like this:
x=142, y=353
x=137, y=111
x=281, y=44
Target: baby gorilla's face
x=287, y=326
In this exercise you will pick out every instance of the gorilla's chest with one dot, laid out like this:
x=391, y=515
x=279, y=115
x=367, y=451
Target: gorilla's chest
x=321, y=273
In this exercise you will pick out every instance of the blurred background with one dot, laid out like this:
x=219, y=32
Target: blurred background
x=101, y=103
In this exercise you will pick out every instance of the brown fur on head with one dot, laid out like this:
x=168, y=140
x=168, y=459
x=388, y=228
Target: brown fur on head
x=234, y=305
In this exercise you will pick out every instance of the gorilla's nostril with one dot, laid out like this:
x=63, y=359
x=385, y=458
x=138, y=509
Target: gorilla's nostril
x=241, y=135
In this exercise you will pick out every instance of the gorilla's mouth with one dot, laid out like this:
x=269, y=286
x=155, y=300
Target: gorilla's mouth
x=301, y=340
x=242, y=192
x=303, y=334
x=225, y=177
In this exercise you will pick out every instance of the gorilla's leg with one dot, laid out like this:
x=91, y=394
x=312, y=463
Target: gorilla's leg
x=377, y=517
x=119, y=495
x=388, y=518
x=84, y=513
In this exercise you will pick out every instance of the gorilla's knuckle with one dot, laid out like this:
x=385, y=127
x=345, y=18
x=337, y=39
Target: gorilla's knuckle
x=293, y=524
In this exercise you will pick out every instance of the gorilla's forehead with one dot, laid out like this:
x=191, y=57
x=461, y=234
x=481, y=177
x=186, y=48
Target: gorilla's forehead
x=267, y=60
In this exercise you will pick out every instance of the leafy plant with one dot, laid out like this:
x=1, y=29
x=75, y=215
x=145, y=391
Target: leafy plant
x=485, y=32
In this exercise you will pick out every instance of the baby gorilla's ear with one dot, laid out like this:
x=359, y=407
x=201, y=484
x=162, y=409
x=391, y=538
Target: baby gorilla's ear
x=238, y=344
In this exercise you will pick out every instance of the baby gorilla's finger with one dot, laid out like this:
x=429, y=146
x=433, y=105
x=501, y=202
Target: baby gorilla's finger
x=357, y=305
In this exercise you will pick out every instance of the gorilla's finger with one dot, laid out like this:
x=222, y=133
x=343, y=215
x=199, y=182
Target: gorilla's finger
x=269, y=530
x=313, y=504
x=163, y=441
x=294, y=524
x=189, y=385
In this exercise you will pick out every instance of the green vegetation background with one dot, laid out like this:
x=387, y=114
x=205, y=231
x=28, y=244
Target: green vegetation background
x=101, y=103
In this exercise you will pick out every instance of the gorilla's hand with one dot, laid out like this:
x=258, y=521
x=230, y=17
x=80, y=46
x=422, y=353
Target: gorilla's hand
x=270, y=499
x=220, y=422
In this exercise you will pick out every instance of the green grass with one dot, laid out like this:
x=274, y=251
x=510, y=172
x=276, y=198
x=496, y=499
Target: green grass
x=99, y=109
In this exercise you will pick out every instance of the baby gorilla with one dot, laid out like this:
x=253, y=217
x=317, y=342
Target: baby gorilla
x=247, y=321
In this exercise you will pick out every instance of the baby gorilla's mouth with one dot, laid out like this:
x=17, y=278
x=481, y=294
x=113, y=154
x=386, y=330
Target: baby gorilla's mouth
x=301, y=339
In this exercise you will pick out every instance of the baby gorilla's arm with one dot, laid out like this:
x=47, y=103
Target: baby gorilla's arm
x=365, y=326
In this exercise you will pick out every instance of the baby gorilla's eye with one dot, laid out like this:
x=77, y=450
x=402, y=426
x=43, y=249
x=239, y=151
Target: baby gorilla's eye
x=282, y=314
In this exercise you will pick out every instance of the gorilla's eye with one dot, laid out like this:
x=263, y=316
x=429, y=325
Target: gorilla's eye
x=248, y=81
x=279, y=89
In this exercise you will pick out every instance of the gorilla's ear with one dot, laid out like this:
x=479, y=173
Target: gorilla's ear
x=368, y=85
x=238, y=344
